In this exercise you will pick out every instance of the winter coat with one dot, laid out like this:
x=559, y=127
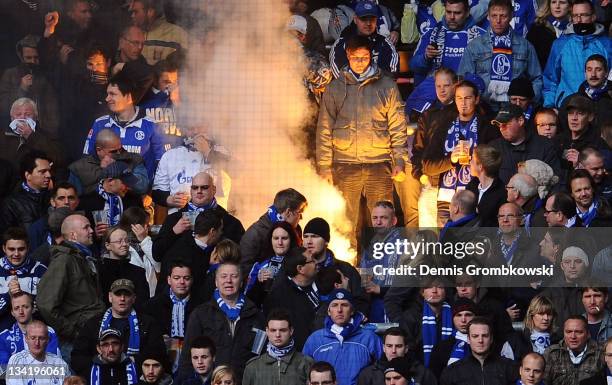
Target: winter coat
x=468, y=371
x=86, y=173
x=564, y=70
x=22, y=208
x=479, y=54
x=253, y=242
x=542, y=36
x=234, y=340
x=162, y=39
x=490, y=202
x=561, y=371
x=160, y=308
x=69, y=293
x=349, y=357
x=292, y=369
x=232, y=229
x=85, y=345
x=533, y=147
x=383, y=52
x=602, y=109
x=375, y=374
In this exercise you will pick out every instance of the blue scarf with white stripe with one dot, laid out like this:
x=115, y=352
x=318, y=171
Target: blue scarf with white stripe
x=460, y=349
x=134, y=341
x=430, y=328
x=15, y=270
x=233, y=313
x=588, y=216
x=191, y=207
x=130, y=370
x=113, y=205
x=274, y=216
x=177, y=328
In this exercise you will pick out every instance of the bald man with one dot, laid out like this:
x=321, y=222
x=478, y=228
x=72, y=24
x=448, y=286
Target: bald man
x=201, y=198
x=86, y=173
x=532, y=369
x=68, y=293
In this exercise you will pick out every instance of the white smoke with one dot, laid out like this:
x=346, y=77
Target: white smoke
x=244, y=80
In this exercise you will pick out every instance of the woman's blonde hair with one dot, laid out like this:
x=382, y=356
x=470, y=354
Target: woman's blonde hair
x=539, y=304
x=220, y=372
x=544, y=12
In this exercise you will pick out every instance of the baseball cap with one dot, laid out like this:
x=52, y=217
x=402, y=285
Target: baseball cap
x=104, y=334
x=366, y=8
x=580, y=103
x=297, y=23
x=122, y=284
x=507, y=113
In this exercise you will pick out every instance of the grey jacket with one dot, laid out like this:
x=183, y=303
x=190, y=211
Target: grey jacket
x=289, y=370
x=561, y=371
x=360, y=122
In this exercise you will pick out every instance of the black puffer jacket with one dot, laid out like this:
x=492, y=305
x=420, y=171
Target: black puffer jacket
x=23, y=208
x=468, y=371
x=233, y=348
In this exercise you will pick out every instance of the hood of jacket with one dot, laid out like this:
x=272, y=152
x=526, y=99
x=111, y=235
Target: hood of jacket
x=599, y=31
x=349, y=79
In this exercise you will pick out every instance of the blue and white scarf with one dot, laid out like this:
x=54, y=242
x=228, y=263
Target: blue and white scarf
x=311, y=291
x=596, y=93
x=560, y=26
x=113, y=205
x=232, y=313
x=177, y=328
x=438, y=39
x=328, y=261
x=588, y=216
x=540, y=341
x=191, y=207
x=274, y=264
x=430, y=329
x=279, y=353
x=501, y=66
x=15, y=270
x=508, y=250
x=273, y=215
x=365, y=75
x=344, y=332
x=460, y=349
x=529, y=112
x=29, y=189
x=130, y=371
x=134, y=341
x=459, y=176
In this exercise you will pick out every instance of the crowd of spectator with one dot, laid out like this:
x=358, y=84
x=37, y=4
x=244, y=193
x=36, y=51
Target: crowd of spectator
x=122, y=264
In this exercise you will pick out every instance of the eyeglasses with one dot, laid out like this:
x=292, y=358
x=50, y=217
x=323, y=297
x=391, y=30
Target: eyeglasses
x=201, y=187
x=120, y=241
x=135, y=43
x=550, y=211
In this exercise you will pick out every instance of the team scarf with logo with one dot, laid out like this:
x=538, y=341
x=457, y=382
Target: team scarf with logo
x=501, y=65
x=177, y=328
x=560, y=26
x=459, y=176
x=588, y=216
x=274, y=215
x=134, y=341
x=274, y=264
x=15, y=270
x=344, y=332
x=113, y=205
x=540, y=341
x=279, y=353
x=233, y=313
x=130, y=370
x=29, y=189
x=193, y=208
x=460, y=348
x=430, y=329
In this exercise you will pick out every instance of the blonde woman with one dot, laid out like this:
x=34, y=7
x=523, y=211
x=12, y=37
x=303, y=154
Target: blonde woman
x=223, y=375
x=538, y=333
x=551, y=22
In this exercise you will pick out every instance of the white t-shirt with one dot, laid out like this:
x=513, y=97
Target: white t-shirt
x=24, y=369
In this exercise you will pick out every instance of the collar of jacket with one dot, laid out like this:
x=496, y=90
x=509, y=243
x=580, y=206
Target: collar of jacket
x=592, y=348
x=599, y=30
x=248, y=310
x=269, y=360
x=350, y=79
x=123, y=360
x=67, y=248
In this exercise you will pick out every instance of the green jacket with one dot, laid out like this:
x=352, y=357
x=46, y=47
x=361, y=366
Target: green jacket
x=68, y=293
x=561, y=371
x=266, y=370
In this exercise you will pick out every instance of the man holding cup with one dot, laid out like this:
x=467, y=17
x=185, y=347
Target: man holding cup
x=445, y=148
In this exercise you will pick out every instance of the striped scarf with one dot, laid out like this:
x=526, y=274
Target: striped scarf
x=134, y=341
x=233, y=313
x=191, y=207
x=113, y=205
x=279, y=353
x=430, y=328
x=130, y=371
x=588, y=216
x=15, y=270
x=460, y=349
x=177, y=329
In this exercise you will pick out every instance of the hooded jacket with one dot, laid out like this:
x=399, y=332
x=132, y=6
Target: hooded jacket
x=360, y=122
x=564, y=70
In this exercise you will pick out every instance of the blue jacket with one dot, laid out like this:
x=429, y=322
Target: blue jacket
x=158, y=106
x=138, y=136
x=454, y=45
x=383, y=52
x=564, y=70
x=348, y=357
x=12, y=341
x=28, y=280
x=479, y=53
